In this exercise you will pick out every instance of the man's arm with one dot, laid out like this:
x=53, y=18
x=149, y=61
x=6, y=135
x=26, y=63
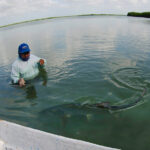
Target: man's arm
x=15, y=76
x=38, y=60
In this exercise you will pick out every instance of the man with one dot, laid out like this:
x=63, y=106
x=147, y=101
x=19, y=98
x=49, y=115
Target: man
x=26, y=66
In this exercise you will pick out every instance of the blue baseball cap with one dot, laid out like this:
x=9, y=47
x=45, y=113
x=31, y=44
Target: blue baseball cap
x=23, y=48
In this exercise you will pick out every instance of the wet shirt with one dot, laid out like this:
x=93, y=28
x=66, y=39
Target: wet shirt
x=25, y=69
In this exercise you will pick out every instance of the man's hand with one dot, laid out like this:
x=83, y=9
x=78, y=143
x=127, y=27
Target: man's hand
x=21, y=82
x=41, y=62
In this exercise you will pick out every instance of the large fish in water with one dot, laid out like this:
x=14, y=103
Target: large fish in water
x=84, y=111
x=103, y=105
x=107, y=105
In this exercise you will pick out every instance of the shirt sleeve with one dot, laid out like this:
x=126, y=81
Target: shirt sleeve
x=15, y=76
x=37, y=59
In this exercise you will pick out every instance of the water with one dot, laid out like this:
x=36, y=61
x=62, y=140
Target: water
x=89, y=60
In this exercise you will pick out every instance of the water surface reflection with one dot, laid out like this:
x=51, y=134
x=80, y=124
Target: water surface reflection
x=89, y=60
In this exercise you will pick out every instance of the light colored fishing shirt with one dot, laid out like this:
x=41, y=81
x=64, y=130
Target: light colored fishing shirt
x=25, y=69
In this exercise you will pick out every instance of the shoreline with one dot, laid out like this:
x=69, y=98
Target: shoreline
x=47, y=18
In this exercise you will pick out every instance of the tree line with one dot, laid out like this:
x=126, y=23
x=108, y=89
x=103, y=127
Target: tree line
x=138, y=14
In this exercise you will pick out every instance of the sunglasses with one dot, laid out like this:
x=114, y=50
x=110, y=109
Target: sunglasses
x=26, y=53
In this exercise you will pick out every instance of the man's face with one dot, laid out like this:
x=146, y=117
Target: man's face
x=25, y=55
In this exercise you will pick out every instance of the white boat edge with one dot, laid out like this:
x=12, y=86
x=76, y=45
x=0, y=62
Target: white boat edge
x=18, y=137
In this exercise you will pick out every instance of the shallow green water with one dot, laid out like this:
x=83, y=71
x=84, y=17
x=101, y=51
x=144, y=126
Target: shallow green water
x=89, y=60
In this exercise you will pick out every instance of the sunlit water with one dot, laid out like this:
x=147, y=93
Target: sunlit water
x=89, y=60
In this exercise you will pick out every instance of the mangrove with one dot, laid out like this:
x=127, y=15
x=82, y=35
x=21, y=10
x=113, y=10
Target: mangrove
x=138, y=14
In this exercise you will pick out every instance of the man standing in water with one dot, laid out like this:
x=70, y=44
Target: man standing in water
x=26, y=66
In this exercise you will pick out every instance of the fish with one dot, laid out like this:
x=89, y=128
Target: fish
x=107, y=105
x=101, y=105
x=67, y=112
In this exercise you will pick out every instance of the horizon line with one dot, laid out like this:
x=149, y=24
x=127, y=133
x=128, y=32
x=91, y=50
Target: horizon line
x=46, y=18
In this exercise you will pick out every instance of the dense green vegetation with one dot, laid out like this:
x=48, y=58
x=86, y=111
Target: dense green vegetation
x=137, y=14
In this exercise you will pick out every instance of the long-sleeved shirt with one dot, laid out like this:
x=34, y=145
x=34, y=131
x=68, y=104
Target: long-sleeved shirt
x=25, y=69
